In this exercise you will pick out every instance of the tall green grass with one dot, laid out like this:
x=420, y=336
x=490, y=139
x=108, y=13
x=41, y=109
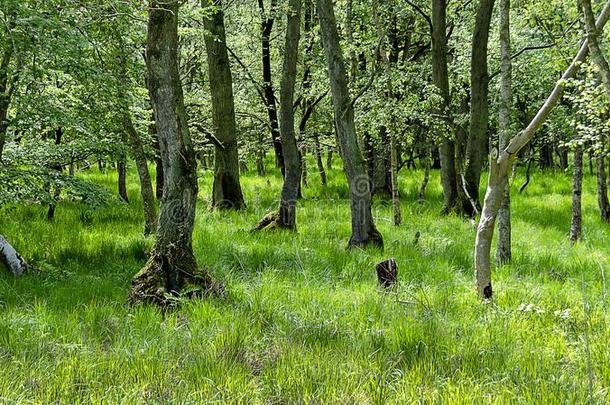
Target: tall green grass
x=304, y=320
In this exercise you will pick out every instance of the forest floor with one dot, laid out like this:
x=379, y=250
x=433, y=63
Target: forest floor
x=304, y=320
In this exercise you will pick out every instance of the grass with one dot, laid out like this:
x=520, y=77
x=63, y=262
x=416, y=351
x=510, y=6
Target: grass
x=303, y=320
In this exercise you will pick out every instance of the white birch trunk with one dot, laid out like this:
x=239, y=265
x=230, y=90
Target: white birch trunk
x=11, y=258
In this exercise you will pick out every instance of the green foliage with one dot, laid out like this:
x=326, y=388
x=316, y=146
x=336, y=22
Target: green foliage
x=304, y=320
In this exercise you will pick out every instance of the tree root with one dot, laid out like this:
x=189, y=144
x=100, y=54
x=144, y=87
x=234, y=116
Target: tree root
x=164, y=282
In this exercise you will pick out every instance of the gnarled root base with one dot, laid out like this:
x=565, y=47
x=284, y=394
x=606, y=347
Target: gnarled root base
x=272, y=221
x=163, y=281
x=373, y=239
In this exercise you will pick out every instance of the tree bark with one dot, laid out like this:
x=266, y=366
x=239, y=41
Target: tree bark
x=500, y=164
x=440, y=77
x=11, y=259
x=602, y=190
x=394, y=181
x=266, y=29
x=146, y=188
x=121, y=168
x=576, y=228
x=172, y=266
x=503, y=253
x=364, y=232
x=479, y=109
x=226, y=193
x=286, y=218
x=5, y=95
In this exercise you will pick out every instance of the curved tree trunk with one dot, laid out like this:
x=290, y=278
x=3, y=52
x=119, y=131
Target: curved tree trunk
x=121, y=168
x=11, y=259
x=364, y=232
x=227, y=193
x=476, y=148
x=500, y=164
x=172, y=265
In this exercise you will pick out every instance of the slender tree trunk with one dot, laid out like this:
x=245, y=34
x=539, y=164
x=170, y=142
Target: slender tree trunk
x=11, y=259
x=576, y=228
x=59, y=133
x=266, y=29
x=329, y=158
x=121, y=168
x=227, y=193
x=5, y=95
x=364, y=231
x=318, y=154
x=146, y=188
x=172, y=266
x=424, y=183
x=479, y=109
x=501, y=162
x=394, y=181
x=602, y=190
x=503, y=254
x=440, y=76
x=286, y=218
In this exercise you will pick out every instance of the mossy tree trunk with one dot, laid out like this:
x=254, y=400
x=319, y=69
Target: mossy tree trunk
x=172, y=267
x=364, y=232
x=226, y=193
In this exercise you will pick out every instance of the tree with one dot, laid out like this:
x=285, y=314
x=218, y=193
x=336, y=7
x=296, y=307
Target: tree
x=226, y=191
x=172, y=267
x=440, y=77
x=479, y=109
x=503, y=254
x=501, y=161
x=267, y=21
x=364, y=232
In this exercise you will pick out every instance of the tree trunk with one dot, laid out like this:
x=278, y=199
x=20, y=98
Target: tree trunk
x=146, y=188
x=59, y=133
x=121, y=168
x=479, y=109
x=394, y=181
x=172, y=266
x=11, y=259
x=5, y=94
x=424, y=183
x=364, y=231
x=500, y=164
x=286, y=218
x=503, y=253
x=227, y=193
x=576, y=228
x=440, y=76
x=266, y=29
x=318, y=154
x=602, y=190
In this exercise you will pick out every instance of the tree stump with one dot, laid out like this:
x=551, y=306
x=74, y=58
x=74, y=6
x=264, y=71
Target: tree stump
x=387, y=273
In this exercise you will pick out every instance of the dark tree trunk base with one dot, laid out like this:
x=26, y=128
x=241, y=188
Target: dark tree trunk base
x=160, y=281
x=373, y=239
x=272, y=221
